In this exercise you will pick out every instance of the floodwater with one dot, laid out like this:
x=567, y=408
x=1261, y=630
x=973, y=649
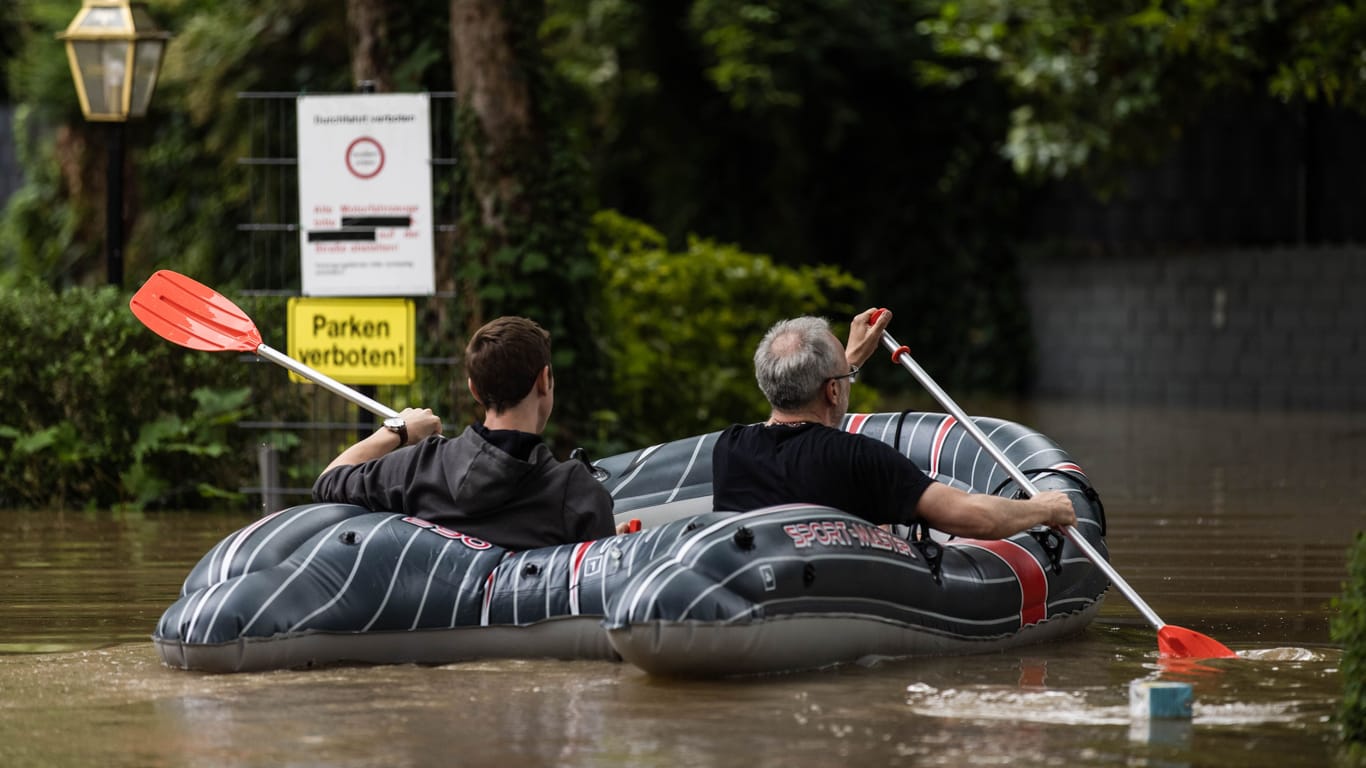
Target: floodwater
x=1235, y=525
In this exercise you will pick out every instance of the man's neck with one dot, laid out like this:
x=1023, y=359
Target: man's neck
x=805, y=416
x=519, y=418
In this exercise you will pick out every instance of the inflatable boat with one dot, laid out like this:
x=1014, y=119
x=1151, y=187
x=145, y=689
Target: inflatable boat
x=696, y=593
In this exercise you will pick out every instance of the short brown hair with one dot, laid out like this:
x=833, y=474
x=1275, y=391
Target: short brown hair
x=503, y=360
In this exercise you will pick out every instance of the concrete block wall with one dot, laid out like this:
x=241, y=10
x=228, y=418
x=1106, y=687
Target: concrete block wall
x=10, y=175
x=1274, y=328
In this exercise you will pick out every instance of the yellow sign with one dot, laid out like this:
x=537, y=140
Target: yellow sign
x=355, y=341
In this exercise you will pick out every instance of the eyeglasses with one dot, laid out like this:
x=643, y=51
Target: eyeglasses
x=852, y=375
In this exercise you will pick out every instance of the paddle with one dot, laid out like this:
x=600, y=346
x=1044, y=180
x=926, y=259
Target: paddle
x=194, y=315
x=1172, y=641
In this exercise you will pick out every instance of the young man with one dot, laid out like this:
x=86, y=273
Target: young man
x=497, y=481
x=799, y=454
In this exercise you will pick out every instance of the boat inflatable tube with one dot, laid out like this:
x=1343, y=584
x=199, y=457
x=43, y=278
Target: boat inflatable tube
x=329, y=583
x=697, y=593
x=803, y=587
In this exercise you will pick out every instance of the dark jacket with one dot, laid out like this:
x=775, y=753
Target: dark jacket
x=472, y=486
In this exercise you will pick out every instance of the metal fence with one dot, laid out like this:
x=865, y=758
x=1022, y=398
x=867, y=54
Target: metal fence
x=272, y=242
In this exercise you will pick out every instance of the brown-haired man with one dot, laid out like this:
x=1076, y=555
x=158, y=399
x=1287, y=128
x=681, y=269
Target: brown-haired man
x=497, y=481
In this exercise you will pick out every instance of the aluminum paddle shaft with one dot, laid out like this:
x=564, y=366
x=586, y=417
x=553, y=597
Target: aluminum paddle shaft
x=265, y=352
x=902, y=355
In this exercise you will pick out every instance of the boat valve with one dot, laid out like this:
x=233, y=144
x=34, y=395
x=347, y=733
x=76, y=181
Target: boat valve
x=744, y=538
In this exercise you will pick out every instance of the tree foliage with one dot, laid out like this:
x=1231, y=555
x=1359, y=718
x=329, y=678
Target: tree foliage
x=1349, y=629
x=898, y=139
x=803, y=130
x=184, y=192
x=681, y=328
x=1098, y=86
x=97, y=412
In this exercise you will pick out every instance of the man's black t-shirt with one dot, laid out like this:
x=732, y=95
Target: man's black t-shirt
x=760, y=466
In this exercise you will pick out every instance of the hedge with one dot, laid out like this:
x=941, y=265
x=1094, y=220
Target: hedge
x=98, y=412
x=1349, y=628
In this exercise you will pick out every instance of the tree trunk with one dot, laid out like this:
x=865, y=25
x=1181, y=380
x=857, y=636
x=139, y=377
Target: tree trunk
x=492, y=89
x=372, y=57
x=521, y=241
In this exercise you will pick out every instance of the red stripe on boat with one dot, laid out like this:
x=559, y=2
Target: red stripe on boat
x=1068, y=466
x=856, y=422
x=939, y=437
x=488, y=598
x=1033, y=581
x=579, y=552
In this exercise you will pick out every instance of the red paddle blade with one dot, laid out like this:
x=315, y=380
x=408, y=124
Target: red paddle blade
x=1181, y=643
x=193, y=315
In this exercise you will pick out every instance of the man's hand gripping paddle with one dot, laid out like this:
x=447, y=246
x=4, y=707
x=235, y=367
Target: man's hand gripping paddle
x=1173, y=642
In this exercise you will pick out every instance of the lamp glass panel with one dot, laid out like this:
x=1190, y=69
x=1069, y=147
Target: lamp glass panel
x=142, y=21
x=102, y=19
x=103, y=65
x=146, y=63
x=116, y=74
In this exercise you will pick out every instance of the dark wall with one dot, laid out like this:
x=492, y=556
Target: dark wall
x=1229, y=273
x=10, y=176
x=1248, y=172
x=1263, y=328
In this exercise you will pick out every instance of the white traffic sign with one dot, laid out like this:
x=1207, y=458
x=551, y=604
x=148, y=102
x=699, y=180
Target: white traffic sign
x=365, y=195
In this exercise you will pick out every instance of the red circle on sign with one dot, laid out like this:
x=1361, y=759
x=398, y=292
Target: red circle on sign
x=365, y=158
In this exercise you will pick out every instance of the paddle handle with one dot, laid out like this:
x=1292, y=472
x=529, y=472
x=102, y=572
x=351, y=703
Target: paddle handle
x=265, y=352
x=902, y=355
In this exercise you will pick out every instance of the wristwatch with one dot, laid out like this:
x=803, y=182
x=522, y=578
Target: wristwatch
x=399, y=427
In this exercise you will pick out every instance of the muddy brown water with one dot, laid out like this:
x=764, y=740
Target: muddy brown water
x=1232, y=524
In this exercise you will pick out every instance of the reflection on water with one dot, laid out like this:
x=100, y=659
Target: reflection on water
x=85, y=579
x=1235, y=526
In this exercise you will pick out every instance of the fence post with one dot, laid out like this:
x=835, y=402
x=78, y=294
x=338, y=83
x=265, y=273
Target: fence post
x=268, y=460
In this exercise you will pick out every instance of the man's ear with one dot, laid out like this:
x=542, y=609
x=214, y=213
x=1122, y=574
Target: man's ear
x=470, y=383
x=545, y=380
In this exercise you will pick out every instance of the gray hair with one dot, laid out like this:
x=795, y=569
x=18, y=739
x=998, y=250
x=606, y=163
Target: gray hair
x=794, y=359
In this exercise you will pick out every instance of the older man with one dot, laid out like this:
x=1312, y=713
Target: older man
x=799, y=454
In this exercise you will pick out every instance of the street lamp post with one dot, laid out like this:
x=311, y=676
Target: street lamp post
x=115, y=51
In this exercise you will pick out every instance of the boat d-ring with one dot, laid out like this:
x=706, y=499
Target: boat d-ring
x=929, y=549
x=1052, y=542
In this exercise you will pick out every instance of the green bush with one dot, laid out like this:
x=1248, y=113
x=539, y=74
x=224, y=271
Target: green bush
x=97, y=411
x=680, y=329
x=1349, y=628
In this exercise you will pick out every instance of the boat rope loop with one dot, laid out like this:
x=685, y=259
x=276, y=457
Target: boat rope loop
x=1094, y=497
x=929, y=549
x=896, y=439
